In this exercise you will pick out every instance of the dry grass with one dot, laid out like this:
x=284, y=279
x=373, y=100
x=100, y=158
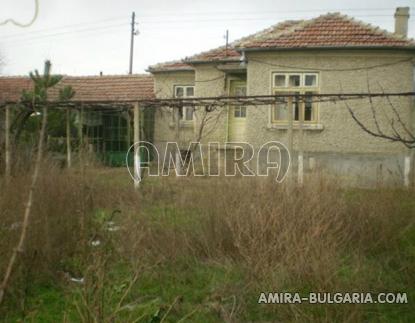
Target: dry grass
x=280, y=238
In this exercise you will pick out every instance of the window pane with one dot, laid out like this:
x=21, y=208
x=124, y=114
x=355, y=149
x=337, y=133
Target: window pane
x=240, y=91
x=310, y=80
x=179, y=92
x=296, y=108
x=189, y=113
x=237, y=112
x=243, y=112
x=279, y=80
x=189, y=91
x=294, y=80
x=280, y=111
x=308, y=113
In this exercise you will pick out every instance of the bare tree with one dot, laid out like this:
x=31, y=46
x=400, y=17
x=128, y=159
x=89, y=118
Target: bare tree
x=395, y=129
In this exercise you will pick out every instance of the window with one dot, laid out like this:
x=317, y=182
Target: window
x=185, y=91
x=239, y=112
x=295, y=84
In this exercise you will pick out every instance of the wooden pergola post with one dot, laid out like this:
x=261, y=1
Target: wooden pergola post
x=300, y=144
x=68, y=138
x=81, y=136
x=137, y=165
x=177, y=157
x=7, y=142
x=290, y=131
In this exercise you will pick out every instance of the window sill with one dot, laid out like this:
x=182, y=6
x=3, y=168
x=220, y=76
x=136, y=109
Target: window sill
x=186, y=124
x=306, y=126
x=183, y=124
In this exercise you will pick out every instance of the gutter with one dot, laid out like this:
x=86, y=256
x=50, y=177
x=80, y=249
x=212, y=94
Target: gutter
x=268, y=49
x=236, y=60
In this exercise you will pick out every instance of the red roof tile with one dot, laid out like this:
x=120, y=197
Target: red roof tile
x=231, y=54
x=330, y=30
x=11, y=87
x=87, y=88
x=170, y=67
x=219, y=54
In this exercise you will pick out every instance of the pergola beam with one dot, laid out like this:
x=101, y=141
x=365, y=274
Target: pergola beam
x=221, y=101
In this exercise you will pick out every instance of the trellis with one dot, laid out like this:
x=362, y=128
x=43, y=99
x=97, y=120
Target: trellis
x=206, y=102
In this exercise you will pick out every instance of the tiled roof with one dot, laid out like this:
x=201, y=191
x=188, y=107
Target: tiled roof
x=214, y=55
x=11, y=87
x=332, y=30
x=231, y=54
x=170, y=67
x=219, y=54
x=87, y=88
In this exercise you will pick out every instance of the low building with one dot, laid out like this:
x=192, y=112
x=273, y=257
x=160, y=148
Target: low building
x=332, y=53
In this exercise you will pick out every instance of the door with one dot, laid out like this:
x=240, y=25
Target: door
x=237, y=114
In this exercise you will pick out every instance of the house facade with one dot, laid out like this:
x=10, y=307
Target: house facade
x=330, y=54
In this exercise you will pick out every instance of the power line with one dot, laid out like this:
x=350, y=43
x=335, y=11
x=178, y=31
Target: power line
x=187, y=13
x=331, y=69
x=190, y=20
x=103, y=28
x=62, y=27
x=23, y=25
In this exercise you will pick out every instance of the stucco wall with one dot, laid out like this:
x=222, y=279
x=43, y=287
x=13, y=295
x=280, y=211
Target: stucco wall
x=340, y=133
x=340, y=147
x=208, y=81
x=164, y=83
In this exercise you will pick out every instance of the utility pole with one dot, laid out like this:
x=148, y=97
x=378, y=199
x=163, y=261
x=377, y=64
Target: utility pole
x=134, y=32
x=227, y=42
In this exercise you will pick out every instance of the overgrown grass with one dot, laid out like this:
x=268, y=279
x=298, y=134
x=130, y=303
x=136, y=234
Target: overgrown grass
x=202, y=249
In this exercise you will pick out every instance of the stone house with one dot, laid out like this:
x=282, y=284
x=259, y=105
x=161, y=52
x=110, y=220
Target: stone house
x=332, y=53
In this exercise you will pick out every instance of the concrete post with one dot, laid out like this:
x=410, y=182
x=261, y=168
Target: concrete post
x=68, y=139
x=7, y=142
x=137, y=164
x=300, y=144
x=177, y=157
x=290, y=131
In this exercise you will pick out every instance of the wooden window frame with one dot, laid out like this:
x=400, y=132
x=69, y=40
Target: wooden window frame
x=185, y=108
x=301, y=89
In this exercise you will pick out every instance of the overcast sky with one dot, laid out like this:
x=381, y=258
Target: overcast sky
x=84, y=37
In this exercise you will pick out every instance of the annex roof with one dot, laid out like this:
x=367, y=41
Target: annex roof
x=87, y=88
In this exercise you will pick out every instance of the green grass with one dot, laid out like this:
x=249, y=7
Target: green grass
x=206, y=288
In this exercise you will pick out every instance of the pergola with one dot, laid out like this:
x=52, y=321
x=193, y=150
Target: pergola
x=206, y=102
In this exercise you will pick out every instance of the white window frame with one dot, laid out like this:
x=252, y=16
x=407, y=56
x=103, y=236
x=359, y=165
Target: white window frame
x=185, y=108
x=301, y=89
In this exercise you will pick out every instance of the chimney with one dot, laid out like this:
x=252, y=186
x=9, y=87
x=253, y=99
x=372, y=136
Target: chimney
x=401, y=21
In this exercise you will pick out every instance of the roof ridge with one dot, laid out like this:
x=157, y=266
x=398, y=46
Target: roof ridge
x=109, y=75
x=375, y=29
x=299, y=27
x=234, y=44
x=269, y=29
x=162, y=65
